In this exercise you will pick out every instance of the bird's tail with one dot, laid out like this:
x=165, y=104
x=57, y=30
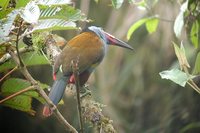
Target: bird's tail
x=56, y=93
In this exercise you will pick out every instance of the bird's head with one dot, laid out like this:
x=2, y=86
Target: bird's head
x=108, y=38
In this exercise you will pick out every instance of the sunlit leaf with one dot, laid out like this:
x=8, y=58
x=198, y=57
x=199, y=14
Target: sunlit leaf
x=179, y=21
x=5, y=12
x=197, y=64
x=177, y=76
x=21, y=3
x=31, y=13
x=151, y=28
x=152, y=25
x=184, y=6
x=62, y=12
x=194, y=34
x=117, y=3
x=54, y=2
x=6, y=24
x=4, y=4
x=54, y=24
x=178, y=24
x=180, y=53
x=135, y=26
x=30, y=59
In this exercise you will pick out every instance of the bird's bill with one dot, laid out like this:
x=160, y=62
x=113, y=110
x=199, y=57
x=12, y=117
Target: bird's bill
x=114, y=41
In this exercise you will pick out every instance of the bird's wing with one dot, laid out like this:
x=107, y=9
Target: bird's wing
x=86, y=49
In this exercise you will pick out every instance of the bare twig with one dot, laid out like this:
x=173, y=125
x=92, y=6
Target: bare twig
x=17, y=93
x=7, y=56
x=27, y=75
x=190, y=81
x=17, y=44
x=15, y=68
x=76, y=77
x=20, y=37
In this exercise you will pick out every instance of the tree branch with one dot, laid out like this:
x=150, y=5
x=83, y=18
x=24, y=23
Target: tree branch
x=7, y=56
x=15, y=68
x=17, y=43
x=76, y=77
x=27, y=75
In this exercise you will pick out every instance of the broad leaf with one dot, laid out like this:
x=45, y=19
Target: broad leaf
x=21, y=3
x=152, y=25
x=53, y=2
x=4, y=4
x=184, y=6
x=178, y=24
x=30, y=59
x=179, y=21
x=194, y=34
x=135, y=26
x=180, y=53
x=197, y=64
x=21, y=102
x=54, y=24
x=6, y=24
x=177, y=76
x=31, y=13
x=117, y=3
x=5, y=12
x=62, y=12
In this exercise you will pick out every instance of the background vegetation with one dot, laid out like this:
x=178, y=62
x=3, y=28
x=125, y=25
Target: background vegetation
x=128, y=83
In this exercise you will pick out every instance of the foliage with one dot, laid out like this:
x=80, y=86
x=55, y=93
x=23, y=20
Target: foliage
x=31, y=17
x=138, y=100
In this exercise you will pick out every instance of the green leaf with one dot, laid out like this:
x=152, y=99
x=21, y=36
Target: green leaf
x=179, y=21
x=7, y=23
x=178, y=24
x=5, y=12
x=190, y=127
x=22, y=3
x=197, y=64
x=177, y=76
x=21, y=102
x=4, y=4
x=135, y=26
x=194, y=34
x=62, y=12
x=54, y=2
x=180, y=53
x=30, y=59
x=117, y=3
x=54, y=24
x=152, y=25
x=31, y=13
